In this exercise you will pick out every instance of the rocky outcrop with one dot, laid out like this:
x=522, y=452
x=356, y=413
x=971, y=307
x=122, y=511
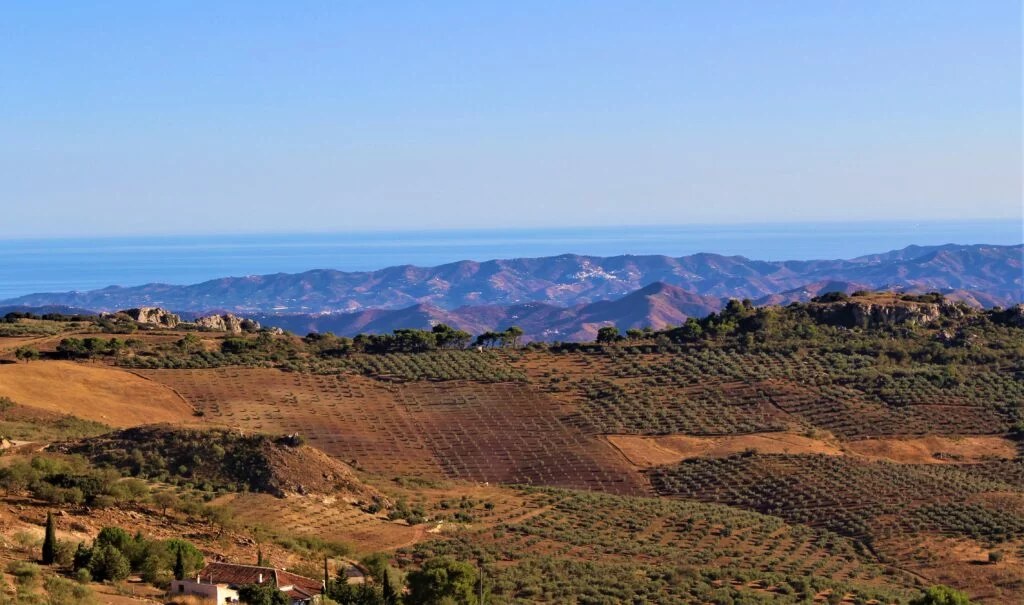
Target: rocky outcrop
x=878, y=313
x=154, y=316
x=1016, y=315
x=227, y=323
x=1013, y=316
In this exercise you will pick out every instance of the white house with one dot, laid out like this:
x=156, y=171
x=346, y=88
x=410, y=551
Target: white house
x=219, y=583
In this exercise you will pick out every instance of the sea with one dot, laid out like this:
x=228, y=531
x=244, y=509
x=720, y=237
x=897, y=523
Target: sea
x=60, y=265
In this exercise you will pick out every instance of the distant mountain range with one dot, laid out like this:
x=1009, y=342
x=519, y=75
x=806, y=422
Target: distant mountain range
x=656, y=305
x=563, y=297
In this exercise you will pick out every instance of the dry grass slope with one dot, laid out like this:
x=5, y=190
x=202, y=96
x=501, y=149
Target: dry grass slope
x=103, y=394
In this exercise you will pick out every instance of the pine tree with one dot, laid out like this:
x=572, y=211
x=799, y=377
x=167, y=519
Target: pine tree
x=50, y=541
x=179, y=565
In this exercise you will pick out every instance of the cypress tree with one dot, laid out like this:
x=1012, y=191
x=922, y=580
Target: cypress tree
x=259, y=557
x=179, y=565
x=388, y=591
x=50, y=541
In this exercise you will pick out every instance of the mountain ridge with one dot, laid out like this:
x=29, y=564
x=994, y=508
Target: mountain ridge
x=566, y=280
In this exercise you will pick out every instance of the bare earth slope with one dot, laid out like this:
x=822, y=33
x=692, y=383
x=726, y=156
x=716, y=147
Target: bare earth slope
x=103, y=394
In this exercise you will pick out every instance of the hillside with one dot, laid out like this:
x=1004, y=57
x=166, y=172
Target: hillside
x=654, y=306
x=98, y=393
x=847, y=449
x=223, y=458
x=565, y=281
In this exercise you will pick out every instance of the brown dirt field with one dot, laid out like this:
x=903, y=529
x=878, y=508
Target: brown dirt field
x=963, y=563
x=40, y=343
x=327, y=518
x=353, y=418
x=644, y=451
x=503, y=433
x=9, y=343
x=92, y=392
x=922, y=450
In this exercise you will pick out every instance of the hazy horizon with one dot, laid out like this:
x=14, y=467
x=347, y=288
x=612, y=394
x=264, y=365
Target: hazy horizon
x=62, y=264
x=1015, y=224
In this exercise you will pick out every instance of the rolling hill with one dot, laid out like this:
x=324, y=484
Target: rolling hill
x=657, y=306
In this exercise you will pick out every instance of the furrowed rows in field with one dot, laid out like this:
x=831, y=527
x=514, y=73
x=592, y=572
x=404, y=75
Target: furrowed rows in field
x=326, y=519
x=602, y=527
x=487, y=366
x=646, y=408
x=511, y=433
x=845, y=495
x=722, y=392
x=845, y=412
x=486, y=432
x=353, y=418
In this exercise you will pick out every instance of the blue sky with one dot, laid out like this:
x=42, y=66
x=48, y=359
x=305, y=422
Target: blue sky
x=192, y=117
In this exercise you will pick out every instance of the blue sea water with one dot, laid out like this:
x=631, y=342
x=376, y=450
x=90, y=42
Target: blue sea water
x=57, y=265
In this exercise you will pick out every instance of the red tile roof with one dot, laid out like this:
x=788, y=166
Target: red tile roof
x=240, y=575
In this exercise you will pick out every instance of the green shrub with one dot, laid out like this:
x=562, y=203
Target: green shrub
x=108, y=564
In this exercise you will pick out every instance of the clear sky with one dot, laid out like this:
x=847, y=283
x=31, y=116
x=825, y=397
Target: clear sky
x=190, y=117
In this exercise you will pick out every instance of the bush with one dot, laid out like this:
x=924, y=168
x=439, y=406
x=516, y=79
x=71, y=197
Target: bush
x=441, y=580
x=941, y=595
x=64, y=554
x=67, y=592
x=23, y=571
x=82, y=576
x=265, y=594
x=109, y=564
x=161, y=556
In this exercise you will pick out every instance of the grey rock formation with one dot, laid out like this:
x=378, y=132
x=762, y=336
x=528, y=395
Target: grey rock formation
x=870, y=314
x=227, y=323
x=154, y=316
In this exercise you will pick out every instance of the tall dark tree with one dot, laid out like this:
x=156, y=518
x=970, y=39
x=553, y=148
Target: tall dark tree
x=179, y=564
x=50, y=541
x=388, y=594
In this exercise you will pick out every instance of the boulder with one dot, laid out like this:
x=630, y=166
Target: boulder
x=227, y=323
x=154, y=316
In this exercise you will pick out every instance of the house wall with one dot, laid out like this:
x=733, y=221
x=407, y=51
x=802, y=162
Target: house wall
x=215, y=593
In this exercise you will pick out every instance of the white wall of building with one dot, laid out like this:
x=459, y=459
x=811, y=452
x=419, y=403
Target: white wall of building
x=215, y=593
